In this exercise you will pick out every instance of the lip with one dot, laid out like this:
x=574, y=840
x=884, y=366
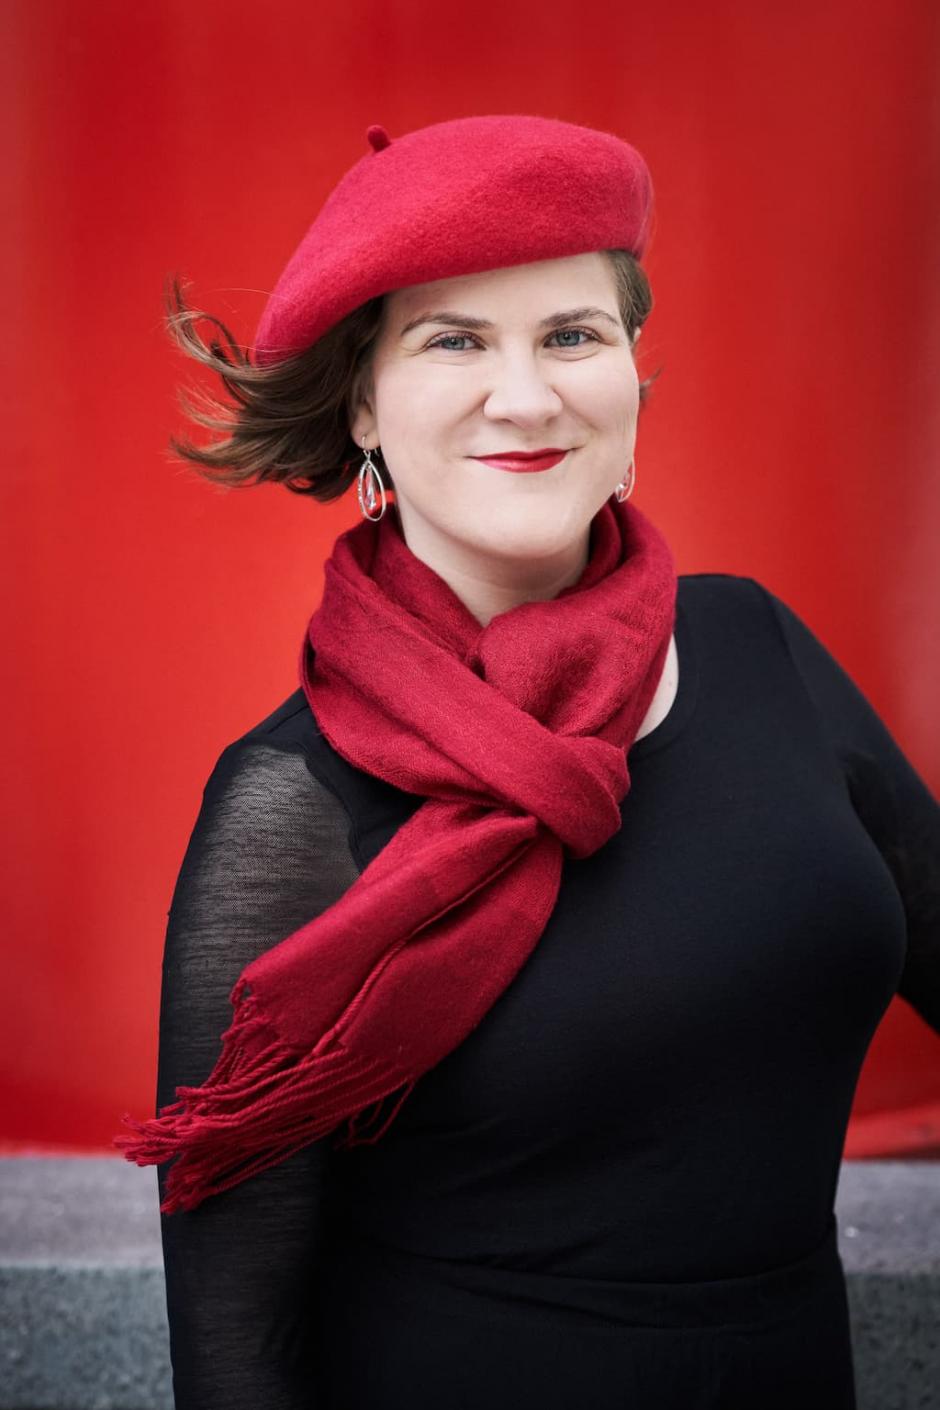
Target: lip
x=523, y=461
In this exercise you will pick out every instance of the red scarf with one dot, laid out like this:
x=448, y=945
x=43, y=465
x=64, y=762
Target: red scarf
x=516, y=735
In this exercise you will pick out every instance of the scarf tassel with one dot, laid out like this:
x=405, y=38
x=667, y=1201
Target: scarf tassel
x=261, y=1101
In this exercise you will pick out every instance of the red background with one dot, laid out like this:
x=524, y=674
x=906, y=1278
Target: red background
x=794, y=434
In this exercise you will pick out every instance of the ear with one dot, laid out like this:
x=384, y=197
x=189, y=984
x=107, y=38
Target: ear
x=362, y=421
x=362, y=427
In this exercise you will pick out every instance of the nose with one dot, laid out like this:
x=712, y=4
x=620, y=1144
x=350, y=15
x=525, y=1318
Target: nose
x=521, y=391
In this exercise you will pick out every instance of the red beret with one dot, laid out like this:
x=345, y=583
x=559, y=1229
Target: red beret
x=456, y=197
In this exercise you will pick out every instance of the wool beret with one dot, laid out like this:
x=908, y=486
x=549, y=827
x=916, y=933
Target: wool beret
x=456, y=197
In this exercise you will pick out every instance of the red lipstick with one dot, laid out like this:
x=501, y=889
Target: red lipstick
x=524, y=461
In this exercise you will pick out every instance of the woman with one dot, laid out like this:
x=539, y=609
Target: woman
x=568, y=892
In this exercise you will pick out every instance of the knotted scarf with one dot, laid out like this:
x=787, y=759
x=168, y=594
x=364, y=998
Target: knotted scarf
x=516, y=736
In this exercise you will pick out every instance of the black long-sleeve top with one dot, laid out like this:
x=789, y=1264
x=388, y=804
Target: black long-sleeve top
x=659, y=1097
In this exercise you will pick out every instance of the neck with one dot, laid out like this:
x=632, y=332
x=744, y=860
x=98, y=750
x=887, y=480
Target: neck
x=488, y=585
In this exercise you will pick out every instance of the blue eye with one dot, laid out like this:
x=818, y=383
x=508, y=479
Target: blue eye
x=443, y=338
x=585, y=331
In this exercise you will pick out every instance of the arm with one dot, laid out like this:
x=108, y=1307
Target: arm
x=893, y=803
x=268, y=852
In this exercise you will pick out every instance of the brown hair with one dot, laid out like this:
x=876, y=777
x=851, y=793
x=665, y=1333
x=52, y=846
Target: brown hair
x=289, y=421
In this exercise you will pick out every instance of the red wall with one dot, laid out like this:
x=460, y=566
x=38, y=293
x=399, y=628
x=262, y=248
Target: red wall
x=794, y=433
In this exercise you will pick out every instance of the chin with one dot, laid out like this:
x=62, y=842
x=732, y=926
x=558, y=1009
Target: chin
x=527, y=539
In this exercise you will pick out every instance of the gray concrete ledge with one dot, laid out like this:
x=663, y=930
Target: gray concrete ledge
x=83, y=1310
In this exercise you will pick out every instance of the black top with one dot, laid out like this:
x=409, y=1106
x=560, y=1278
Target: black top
x=659, y=1098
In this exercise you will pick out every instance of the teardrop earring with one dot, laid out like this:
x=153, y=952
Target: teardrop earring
x=625, y=488
x=369, y=477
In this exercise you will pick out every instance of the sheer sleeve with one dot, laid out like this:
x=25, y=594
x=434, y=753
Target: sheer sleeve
x=269, y=851
x=893, y=802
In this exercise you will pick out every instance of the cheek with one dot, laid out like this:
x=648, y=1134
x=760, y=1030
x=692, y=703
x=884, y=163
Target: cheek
x=613, y=395
x=604, y=391
x=411, y=401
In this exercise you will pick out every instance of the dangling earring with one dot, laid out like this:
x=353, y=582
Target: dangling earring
x=625, y=488
x=368, y=478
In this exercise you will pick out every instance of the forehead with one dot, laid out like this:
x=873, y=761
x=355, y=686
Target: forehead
x=571, y=277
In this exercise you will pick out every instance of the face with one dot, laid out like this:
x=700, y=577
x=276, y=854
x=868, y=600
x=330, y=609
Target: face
x=515, y=359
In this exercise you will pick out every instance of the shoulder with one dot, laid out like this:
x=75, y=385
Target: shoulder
x=719, y=604
x=730, y=588
x=281, y=762
x=742, y=627
x=289, y=727
x=744, y=624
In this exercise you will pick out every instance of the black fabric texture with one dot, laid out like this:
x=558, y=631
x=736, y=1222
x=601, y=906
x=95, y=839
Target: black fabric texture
x=619, y=1189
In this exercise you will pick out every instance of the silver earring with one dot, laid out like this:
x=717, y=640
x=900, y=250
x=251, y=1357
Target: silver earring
x=625, y=488
x=369, y=476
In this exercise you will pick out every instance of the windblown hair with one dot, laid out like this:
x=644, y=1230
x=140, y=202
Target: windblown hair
x=289, y=421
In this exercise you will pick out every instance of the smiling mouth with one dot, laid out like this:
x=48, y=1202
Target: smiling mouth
x=523, y=461
x=523, y=454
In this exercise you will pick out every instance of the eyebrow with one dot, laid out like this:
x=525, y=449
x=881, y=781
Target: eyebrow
x=466, y=320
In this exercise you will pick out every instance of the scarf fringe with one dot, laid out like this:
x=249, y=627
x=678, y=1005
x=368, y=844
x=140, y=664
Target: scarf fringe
x=261, y=1103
